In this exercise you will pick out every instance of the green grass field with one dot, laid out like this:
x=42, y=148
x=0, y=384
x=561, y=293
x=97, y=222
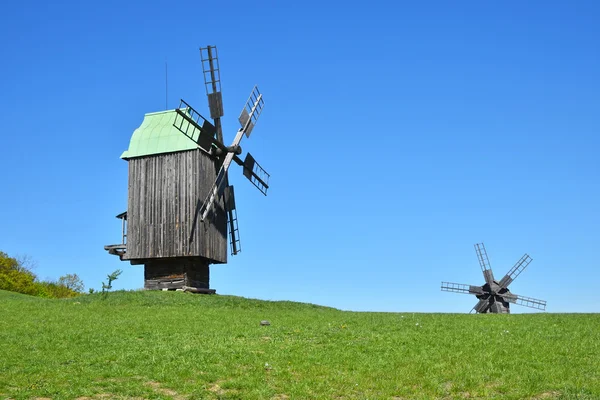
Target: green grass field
x=173, y=345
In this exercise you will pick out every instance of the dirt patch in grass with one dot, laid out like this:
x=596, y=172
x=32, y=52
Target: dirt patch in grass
x=107, y=396
x=546, y=395
x=164, y=391
x=215, y=388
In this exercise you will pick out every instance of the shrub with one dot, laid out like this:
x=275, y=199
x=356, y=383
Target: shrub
x=15, y=276
x=72, y=282
x=111, y=277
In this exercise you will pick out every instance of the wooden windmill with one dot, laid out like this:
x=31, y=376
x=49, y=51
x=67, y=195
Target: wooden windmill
x=180, y=204
x=494, y=296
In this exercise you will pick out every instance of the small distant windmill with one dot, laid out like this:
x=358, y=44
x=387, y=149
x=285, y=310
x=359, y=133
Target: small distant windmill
x=494, y=296
x=180, y=204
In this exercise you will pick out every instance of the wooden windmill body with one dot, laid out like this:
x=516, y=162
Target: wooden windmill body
x=180, y=205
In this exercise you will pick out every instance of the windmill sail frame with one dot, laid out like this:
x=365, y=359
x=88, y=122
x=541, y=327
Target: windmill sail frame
x=493, y=296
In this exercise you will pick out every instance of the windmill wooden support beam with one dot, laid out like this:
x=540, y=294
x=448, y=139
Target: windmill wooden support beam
x=198, y=290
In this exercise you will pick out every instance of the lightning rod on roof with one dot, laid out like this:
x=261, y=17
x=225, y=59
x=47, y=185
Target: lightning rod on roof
x=166, y=87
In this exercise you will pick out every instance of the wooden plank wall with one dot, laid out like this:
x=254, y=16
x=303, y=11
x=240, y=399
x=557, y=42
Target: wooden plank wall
x=165, y=192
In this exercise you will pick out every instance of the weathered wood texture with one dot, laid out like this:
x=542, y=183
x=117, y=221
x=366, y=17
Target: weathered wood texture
x=177, y=273
x=165, y=193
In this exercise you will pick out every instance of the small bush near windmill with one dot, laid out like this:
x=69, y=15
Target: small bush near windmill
x=106, y=287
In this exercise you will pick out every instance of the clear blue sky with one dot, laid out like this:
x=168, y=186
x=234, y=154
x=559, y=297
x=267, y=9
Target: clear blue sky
x=398, y=134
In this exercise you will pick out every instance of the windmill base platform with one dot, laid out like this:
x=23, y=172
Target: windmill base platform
x=185, y=274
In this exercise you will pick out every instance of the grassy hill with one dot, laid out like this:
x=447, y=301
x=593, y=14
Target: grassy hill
x=172, y=345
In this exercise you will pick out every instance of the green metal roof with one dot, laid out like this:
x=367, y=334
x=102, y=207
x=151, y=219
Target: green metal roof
x=157, y=135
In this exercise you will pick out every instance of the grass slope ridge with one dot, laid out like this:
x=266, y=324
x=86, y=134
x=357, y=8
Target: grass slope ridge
x=161, y=345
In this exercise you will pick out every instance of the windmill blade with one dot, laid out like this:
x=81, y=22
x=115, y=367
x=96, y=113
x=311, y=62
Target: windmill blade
x=232, y=224
x=525, y=301
x=484, y=262
x=515, y=271
x=216, y=189
x=461, y=288
x=256, y=174
x=251, y=119
x=212, y=84
x=212, y=81
x=193, y=125
x=251, y=111
x=481, y=306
